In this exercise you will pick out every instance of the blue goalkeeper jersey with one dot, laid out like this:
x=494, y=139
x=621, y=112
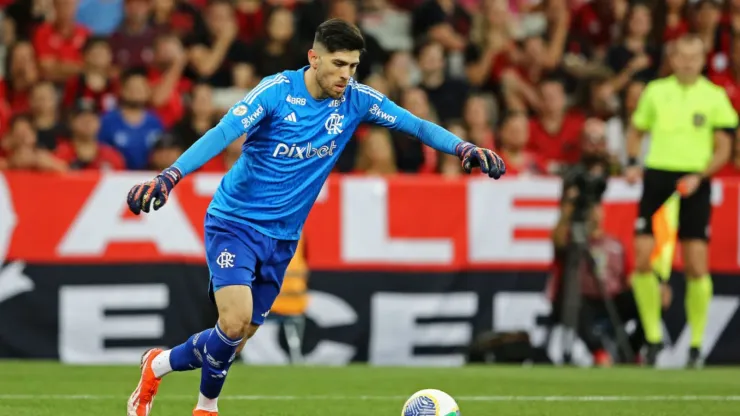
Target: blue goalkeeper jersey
x=293, y=141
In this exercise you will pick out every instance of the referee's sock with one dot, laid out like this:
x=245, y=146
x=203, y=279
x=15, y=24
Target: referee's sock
x=646, y=289
x=698, y=297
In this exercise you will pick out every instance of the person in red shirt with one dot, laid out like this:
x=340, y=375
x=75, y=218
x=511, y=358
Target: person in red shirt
x=166, y=79
x=21, y=75
x=94, y=86
x=59, y=43
x=83, y=151
x=514, y=136
x=671, y=20
x=730, y=79
x=554, y=134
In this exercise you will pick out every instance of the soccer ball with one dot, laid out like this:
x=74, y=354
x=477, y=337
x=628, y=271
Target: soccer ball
x=430, y=402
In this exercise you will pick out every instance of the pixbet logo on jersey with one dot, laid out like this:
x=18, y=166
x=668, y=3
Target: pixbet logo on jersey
x=307, y=152
x=248, y=120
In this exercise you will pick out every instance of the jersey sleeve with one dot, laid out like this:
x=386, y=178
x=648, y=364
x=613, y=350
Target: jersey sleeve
x=248, y=114
x=724, y=115
x=379, y=110
x=644, y=115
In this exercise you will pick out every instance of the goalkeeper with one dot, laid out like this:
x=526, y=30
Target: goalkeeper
x=297, y=123
x=691, y=123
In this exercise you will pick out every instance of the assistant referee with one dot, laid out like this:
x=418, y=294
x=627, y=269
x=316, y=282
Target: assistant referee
x=692, y=124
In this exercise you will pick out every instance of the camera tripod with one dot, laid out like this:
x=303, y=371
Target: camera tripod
x=571, y=294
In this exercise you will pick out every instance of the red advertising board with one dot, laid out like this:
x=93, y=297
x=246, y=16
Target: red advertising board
x=402, y=223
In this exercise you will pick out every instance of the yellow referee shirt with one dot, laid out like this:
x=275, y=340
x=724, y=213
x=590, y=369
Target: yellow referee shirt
x=682, y=121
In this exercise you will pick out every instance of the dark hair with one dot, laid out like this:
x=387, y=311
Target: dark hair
x=338, y=35
x=93, y=41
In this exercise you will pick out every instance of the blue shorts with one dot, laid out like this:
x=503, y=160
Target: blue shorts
x=237, y=254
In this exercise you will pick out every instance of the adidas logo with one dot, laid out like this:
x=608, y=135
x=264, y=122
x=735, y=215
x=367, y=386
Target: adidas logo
x=291, y=117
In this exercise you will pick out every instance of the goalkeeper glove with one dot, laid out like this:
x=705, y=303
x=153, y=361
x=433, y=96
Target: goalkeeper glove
x=473, y=156
x=140, y=197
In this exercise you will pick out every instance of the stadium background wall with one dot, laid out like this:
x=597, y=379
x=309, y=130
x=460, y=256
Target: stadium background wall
x=89, y=283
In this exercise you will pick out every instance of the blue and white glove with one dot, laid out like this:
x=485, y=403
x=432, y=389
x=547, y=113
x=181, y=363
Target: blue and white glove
x=140, y=197
x=473, y=156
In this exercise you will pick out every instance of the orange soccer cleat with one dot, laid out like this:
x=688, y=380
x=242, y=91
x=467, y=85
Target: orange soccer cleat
x=140, y=402
x=199, y=412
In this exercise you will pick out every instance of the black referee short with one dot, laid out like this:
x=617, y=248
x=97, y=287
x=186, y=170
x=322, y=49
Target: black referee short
x=695, y=211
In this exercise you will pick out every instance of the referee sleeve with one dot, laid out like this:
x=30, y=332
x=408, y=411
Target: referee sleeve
x=644, y=115
x=724, y=116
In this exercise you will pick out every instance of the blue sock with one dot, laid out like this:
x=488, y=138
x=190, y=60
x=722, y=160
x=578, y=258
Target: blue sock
x=220, y=352
x=189, y=354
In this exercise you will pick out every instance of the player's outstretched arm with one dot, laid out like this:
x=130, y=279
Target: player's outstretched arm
x=156, y=191
x=388, y=114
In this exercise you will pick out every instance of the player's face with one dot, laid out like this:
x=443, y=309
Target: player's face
x=334, y=71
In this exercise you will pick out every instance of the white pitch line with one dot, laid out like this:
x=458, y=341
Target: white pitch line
x=684, y=398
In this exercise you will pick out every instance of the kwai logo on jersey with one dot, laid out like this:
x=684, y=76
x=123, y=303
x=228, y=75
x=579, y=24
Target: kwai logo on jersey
x=334, y=124
x=307, y=152
x=376, y=111
x=295, y=100
x=248, y=120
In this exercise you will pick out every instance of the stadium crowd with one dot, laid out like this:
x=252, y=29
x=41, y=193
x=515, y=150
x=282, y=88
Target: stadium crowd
x=130, y=84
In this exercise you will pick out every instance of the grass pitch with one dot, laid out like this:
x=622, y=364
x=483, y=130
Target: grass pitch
x=51, y=389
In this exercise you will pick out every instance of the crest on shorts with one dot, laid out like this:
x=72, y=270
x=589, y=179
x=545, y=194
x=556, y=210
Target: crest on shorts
x=699, y=119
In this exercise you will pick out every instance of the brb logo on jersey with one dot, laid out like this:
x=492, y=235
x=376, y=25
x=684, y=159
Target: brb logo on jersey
x=295, y=100
x=376, y=111
x=307, y=152
x=248, y=120
x=334, y=124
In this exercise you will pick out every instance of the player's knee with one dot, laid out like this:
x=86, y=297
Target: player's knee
x=235, y=324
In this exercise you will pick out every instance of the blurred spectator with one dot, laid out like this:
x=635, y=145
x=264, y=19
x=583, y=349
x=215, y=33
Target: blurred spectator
x=132, y=128
x=215, y=54
x=166, y=79
x=616, y=128
x=598, y=98
x=410, y=154
x=21, y=74
x=132, y=43
x=199, y=118
x=279, y=49
x=479, y=117
x=399, y=73
x=376, y=156
x=492, y=43
x=178, y=17
x=19, y=151
x=23, y=17
x=514, y=136
x=730, y=79
x=443, y=21
x=554, y=132
x=707, y=15
x=446, y=94
x=250, y=17
x=635, y=58
x=102, y=17
x=374, y=55
x=671, y=20
x=59, y=43
x=596, y=24
x=94, y=86
x=165, y=152
x=83, y=151
x=389, y=25
x=45, y=115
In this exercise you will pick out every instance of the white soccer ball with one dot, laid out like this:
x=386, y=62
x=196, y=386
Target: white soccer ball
x=430, y=402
